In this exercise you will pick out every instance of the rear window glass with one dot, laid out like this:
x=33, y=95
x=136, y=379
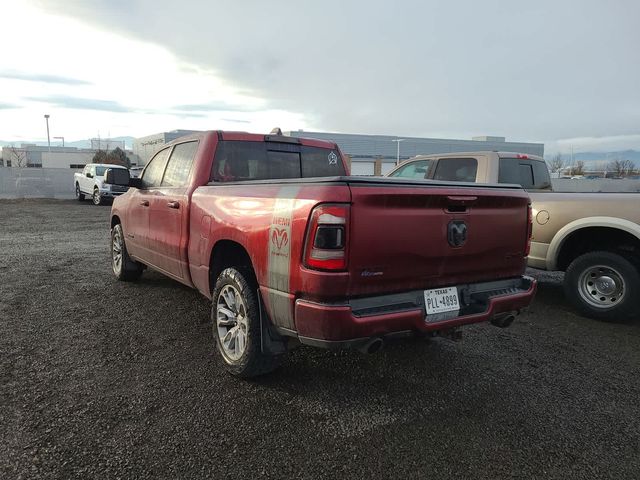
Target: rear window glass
x=241, y=160
x=456, y=169
x=418, y=169
x=120, y=176
x=531, y=174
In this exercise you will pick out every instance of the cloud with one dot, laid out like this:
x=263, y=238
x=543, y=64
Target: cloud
x=42, y=78
x=215, y=107
x=64, y=101
x=532, y=71
x=8, y=106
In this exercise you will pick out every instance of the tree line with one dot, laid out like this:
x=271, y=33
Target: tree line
x=619, y=167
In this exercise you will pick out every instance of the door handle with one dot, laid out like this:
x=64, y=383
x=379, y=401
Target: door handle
x=144, y=203
x=173, y=204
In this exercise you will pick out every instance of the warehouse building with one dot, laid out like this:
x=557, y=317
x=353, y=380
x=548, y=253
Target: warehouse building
x=377, y=154
x=368, y=154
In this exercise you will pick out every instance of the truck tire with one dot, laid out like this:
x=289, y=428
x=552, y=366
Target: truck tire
x=124, y=267
x=79, y=194
x=604, y=285
x=235, y=315
x=97, y=199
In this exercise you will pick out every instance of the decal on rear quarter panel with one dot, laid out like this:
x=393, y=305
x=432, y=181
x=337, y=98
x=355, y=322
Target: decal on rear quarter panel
x=279, y=258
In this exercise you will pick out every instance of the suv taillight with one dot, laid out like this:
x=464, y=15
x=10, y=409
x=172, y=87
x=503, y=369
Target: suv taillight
x=527, y=250
x=326, y=243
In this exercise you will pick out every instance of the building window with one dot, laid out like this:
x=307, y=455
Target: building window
x=77, y=166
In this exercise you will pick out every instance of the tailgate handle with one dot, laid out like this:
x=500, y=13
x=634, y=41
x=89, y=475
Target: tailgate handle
x=144, y=203
x=459, y=204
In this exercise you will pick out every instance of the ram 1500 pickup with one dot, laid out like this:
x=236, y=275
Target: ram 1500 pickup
x=292, y=251
x=593, y=237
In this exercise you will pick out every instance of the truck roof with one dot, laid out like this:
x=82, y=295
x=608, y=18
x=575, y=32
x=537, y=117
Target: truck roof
x=481, y=152
x=108, y=165
x=255, y=137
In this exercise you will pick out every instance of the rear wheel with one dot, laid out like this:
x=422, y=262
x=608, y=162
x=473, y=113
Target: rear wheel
x=79, y=194
x=604, y=285
x=124, y=268
x=235, y=315
x=97, y=199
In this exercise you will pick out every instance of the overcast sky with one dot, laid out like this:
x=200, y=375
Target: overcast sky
x=559, y=72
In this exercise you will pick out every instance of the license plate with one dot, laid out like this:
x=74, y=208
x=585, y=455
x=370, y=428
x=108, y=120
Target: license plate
x=440, y=300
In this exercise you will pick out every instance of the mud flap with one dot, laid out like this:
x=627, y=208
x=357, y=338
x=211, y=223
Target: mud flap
x=271, y=342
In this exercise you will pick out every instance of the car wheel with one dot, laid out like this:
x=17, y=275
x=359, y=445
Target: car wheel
x=79, y=194
x=235, y=315
x=97, y=199
x=124, y=267
x=604, y=285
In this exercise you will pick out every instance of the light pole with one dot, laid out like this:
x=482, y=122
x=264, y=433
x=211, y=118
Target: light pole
x=46, y=117
x=398, y=140
x=59, y=138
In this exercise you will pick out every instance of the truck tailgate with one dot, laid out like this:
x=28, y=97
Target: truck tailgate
x=417, y=235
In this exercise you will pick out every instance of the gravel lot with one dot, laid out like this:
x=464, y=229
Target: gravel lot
x=101, y=379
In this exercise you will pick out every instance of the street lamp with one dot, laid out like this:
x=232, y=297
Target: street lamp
x=59, y=138
x=46, y=117
x=398, y=140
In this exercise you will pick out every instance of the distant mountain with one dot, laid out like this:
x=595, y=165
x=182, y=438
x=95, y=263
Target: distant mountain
x=597, y=157
x=128, y=142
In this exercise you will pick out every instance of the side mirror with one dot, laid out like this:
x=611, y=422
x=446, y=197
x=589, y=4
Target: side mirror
x=117, y=176
x=88, y=175
x=135, y=182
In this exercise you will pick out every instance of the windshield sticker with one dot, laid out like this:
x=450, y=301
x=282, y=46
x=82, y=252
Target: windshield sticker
x=333, y=158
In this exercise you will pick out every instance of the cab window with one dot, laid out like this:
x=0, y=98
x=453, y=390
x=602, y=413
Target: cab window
x=418, y=170
x=456, y=169
x=529, y=173
x=152, y=174
x=179, y=166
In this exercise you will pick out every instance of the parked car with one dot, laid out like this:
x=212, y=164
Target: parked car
x=593, y=237
x=291, y=251
x=90, y=182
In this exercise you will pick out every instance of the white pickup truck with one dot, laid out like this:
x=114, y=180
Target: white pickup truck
x=90, y=182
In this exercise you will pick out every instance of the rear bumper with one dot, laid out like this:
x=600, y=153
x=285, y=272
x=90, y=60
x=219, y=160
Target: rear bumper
x=354, y=322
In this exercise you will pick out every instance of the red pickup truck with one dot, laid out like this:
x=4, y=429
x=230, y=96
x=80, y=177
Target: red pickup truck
x=292, y=251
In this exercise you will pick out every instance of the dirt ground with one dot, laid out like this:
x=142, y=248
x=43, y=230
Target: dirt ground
x=102, y=379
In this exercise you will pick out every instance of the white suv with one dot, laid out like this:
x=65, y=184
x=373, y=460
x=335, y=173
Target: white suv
x=90, y=182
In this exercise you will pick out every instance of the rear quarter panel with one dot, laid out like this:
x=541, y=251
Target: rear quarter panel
x=269, y=221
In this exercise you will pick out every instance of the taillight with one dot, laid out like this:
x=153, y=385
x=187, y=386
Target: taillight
x=527, y=250
x=326, y=243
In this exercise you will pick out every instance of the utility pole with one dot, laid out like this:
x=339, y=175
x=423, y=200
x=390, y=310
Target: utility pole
x=46, y=117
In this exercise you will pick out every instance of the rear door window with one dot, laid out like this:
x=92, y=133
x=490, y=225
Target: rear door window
x=418, y=170
x=456, y=169
x=528, y=173
x=179, y=166
x=152, y=174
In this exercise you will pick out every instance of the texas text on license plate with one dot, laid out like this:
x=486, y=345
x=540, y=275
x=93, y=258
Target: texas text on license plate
x=440, y=300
